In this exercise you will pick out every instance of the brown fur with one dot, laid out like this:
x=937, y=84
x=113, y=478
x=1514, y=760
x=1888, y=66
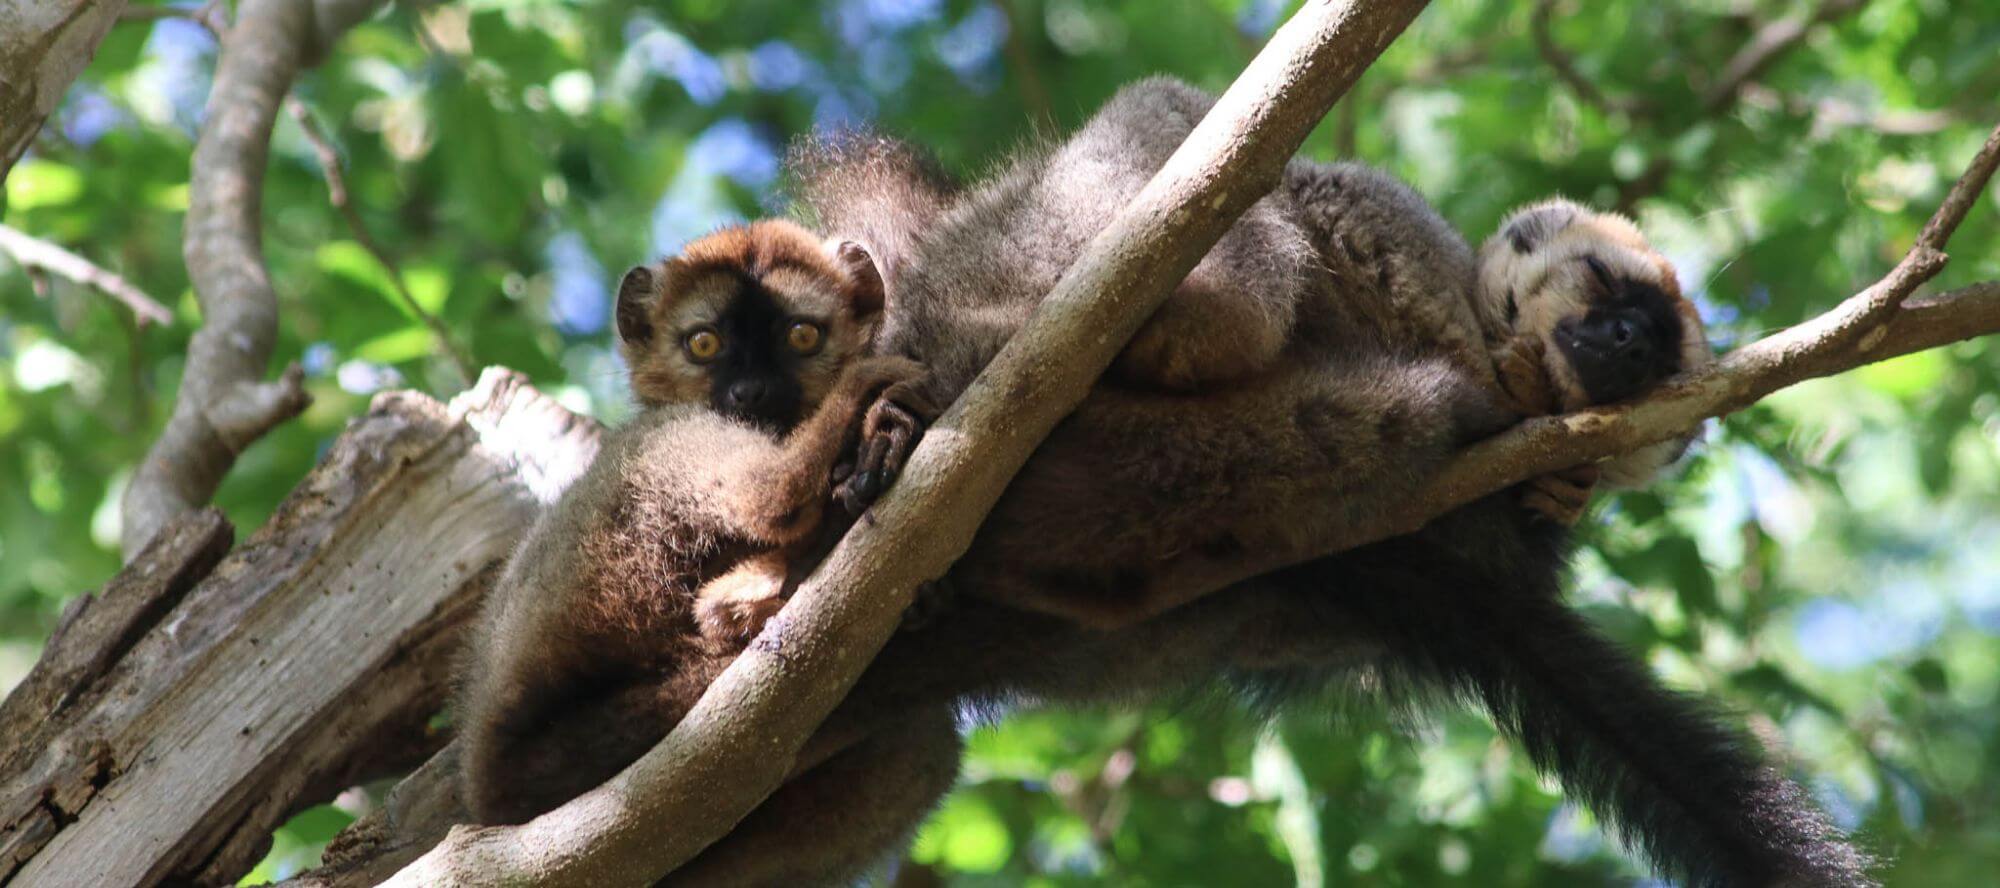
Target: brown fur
x=657, y=566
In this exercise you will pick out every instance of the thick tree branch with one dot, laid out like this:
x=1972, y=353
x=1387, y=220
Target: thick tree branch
x=43, y=47
x=741, y=740
x=35, y=253
x=224, y=403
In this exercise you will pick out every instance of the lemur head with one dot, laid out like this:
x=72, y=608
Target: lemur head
x=755, y=320
x=1605, y=304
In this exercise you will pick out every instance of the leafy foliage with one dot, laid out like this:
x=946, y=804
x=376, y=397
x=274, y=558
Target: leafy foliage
x=1829, y=564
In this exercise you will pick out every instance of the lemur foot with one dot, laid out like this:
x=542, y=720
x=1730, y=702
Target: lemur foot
x=1561, y=496
x=891, y=429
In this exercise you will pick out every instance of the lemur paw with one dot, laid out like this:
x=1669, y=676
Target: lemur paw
x=734, y=607
x=1524, y=377
x=1561, y=496
x=890, y=430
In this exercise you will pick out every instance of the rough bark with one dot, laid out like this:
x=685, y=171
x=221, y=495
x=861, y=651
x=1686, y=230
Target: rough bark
x=224, y=403
x=43, y=47
x=169, y=729
x=744, y=736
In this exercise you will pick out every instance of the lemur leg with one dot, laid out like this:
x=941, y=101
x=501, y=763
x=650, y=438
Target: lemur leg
x=1562, y=496
x=834, y=823
x=1234, y=314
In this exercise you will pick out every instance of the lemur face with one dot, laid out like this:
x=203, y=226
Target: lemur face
x=1604, y=303
x=756, y=320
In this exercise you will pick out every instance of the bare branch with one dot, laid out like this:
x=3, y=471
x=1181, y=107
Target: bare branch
x=1026, y=78
x=1765, y=47
x=1564, y=66
x=337, y=194
x=44, y=45
x=35, y=253
x=743, y=737
x=1757, y=54
x=224, y=404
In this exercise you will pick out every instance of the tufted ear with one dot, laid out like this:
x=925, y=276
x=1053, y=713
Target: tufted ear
x=637, y=292
x=1528, y=228
x=864, y=290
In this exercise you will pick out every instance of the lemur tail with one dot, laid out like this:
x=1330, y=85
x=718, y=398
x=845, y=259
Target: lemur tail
x=1691, y=794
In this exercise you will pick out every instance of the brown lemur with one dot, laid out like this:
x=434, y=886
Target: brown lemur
x=652, y=572
x=1211, y=443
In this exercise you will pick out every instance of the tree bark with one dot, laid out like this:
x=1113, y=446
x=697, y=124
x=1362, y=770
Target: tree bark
x=171, y=726
x=43, y=47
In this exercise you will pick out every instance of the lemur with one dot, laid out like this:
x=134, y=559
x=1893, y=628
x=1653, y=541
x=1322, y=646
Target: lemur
x=1335, y=382
x=652, y=572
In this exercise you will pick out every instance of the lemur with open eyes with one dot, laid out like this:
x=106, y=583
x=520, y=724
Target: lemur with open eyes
x=1339, y=344
x=653, y=571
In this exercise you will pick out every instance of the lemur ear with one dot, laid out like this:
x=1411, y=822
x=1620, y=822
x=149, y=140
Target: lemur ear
x=637, y=292
x=864, y=290
x=1529, y=228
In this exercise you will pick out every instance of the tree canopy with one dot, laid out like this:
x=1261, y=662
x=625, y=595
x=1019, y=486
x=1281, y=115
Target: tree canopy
x=1828, y=562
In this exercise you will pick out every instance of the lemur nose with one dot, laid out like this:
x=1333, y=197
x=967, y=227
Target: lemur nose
x=746, y=393
x=1621, y=334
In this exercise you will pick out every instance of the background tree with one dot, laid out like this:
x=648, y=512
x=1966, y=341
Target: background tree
x=1828, y=564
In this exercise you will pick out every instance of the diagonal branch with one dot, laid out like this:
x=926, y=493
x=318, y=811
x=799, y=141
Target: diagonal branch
x=342, y=200
x=741, y=740
x=35, y=253
x=224, y=402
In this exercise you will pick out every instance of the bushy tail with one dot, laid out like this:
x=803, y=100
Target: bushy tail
x=857, y=184
x=1679, y=786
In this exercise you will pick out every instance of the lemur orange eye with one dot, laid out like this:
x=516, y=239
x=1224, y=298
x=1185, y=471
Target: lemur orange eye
x=703, y=345
x=804, y=337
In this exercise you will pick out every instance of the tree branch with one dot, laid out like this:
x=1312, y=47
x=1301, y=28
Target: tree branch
x=224, y=404
x=1564, y=65
x=338, y=195
x=34, y=253
x=740, y=741
x=43, y=47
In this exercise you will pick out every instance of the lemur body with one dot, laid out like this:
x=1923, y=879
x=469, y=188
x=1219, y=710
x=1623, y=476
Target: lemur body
x=1384, y=365
x=650, y=574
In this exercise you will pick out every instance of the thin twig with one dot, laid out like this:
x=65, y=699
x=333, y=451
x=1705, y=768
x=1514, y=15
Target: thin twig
x=342, y=200
x=1564, y=66
x=1765, y=47
x=1026, y=78
x=35, y=253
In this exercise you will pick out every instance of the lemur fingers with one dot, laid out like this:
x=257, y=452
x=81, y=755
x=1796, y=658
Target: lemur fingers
x=1561, y=496
x=889, y=432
